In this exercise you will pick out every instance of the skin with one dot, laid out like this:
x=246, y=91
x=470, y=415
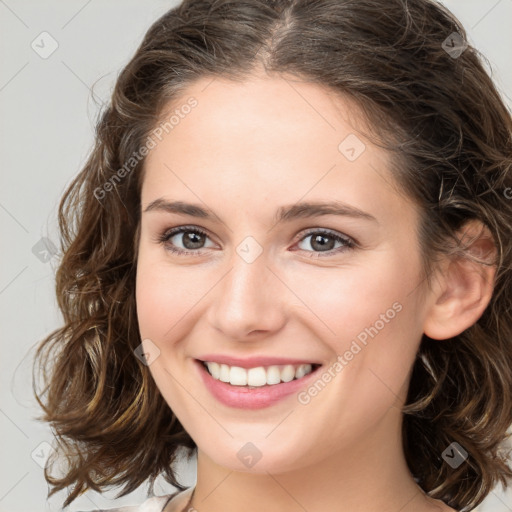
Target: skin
x=244, y=151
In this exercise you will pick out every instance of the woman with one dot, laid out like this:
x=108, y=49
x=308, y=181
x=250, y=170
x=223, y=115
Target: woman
x=289, y=254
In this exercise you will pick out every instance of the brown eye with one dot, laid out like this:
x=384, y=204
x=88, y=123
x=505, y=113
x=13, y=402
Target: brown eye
x=192, y=240
x=324, y=242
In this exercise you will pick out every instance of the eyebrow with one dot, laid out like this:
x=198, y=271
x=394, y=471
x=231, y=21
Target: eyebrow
x=284, y=213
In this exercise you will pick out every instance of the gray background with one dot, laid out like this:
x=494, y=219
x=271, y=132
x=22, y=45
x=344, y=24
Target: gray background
x=46, y=130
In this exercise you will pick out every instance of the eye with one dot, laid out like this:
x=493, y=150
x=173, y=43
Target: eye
x=193, y=240
x=320, y=241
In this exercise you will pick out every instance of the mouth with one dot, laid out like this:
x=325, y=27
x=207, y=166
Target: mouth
x=257, y=387
x=260, y=376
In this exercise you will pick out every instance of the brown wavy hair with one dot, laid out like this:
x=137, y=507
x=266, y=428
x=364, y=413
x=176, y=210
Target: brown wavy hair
x=449, y=133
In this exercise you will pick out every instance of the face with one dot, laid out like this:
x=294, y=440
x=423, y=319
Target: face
x=337, y=287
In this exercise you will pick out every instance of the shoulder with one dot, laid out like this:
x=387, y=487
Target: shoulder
x=153, y=504
x=443, y=507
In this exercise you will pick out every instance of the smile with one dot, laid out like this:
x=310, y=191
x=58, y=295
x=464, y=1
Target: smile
x=258, y=376
x=245, y=388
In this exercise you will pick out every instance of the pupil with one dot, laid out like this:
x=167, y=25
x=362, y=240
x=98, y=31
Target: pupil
x=189, y=240
x=322, y=245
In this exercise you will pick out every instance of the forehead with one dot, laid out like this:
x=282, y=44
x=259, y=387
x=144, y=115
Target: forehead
x=266, y=140
x=263, y=113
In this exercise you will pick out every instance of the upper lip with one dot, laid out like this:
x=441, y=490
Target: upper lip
x=253, y=362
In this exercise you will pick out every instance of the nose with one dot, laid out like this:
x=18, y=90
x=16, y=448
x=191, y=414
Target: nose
x=248, y=300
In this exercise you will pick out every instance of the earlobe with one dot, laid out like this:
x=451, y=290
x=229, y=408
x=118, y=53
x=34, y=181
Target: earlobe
x=465, y=286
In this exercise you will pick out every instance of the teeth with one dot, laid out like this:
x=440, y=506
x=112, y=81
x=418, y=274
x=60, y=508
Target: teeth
x=257, y=377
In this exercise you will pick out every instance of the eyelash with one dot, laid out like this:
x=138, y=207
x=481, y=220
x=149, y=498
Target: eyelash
x=164, y=237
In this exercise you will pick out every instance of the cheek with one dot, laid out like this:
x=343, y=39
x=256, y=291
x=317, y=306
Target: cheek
x=369, y=317
x=374, y=319
x=165, y=315
x=344, y=301
x=168, y=297
x=157, y=296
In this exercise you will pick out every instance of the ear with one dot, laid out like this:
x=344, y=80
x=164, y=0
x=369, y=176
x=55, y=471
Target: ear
x=463, y=288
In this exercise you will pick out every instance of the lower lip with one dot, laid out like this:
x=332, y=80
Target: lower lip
x=251, y=398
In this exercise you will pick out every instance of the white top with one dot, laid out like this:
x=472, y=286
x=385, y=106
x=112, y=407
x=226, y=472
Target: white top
x=154, y=504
